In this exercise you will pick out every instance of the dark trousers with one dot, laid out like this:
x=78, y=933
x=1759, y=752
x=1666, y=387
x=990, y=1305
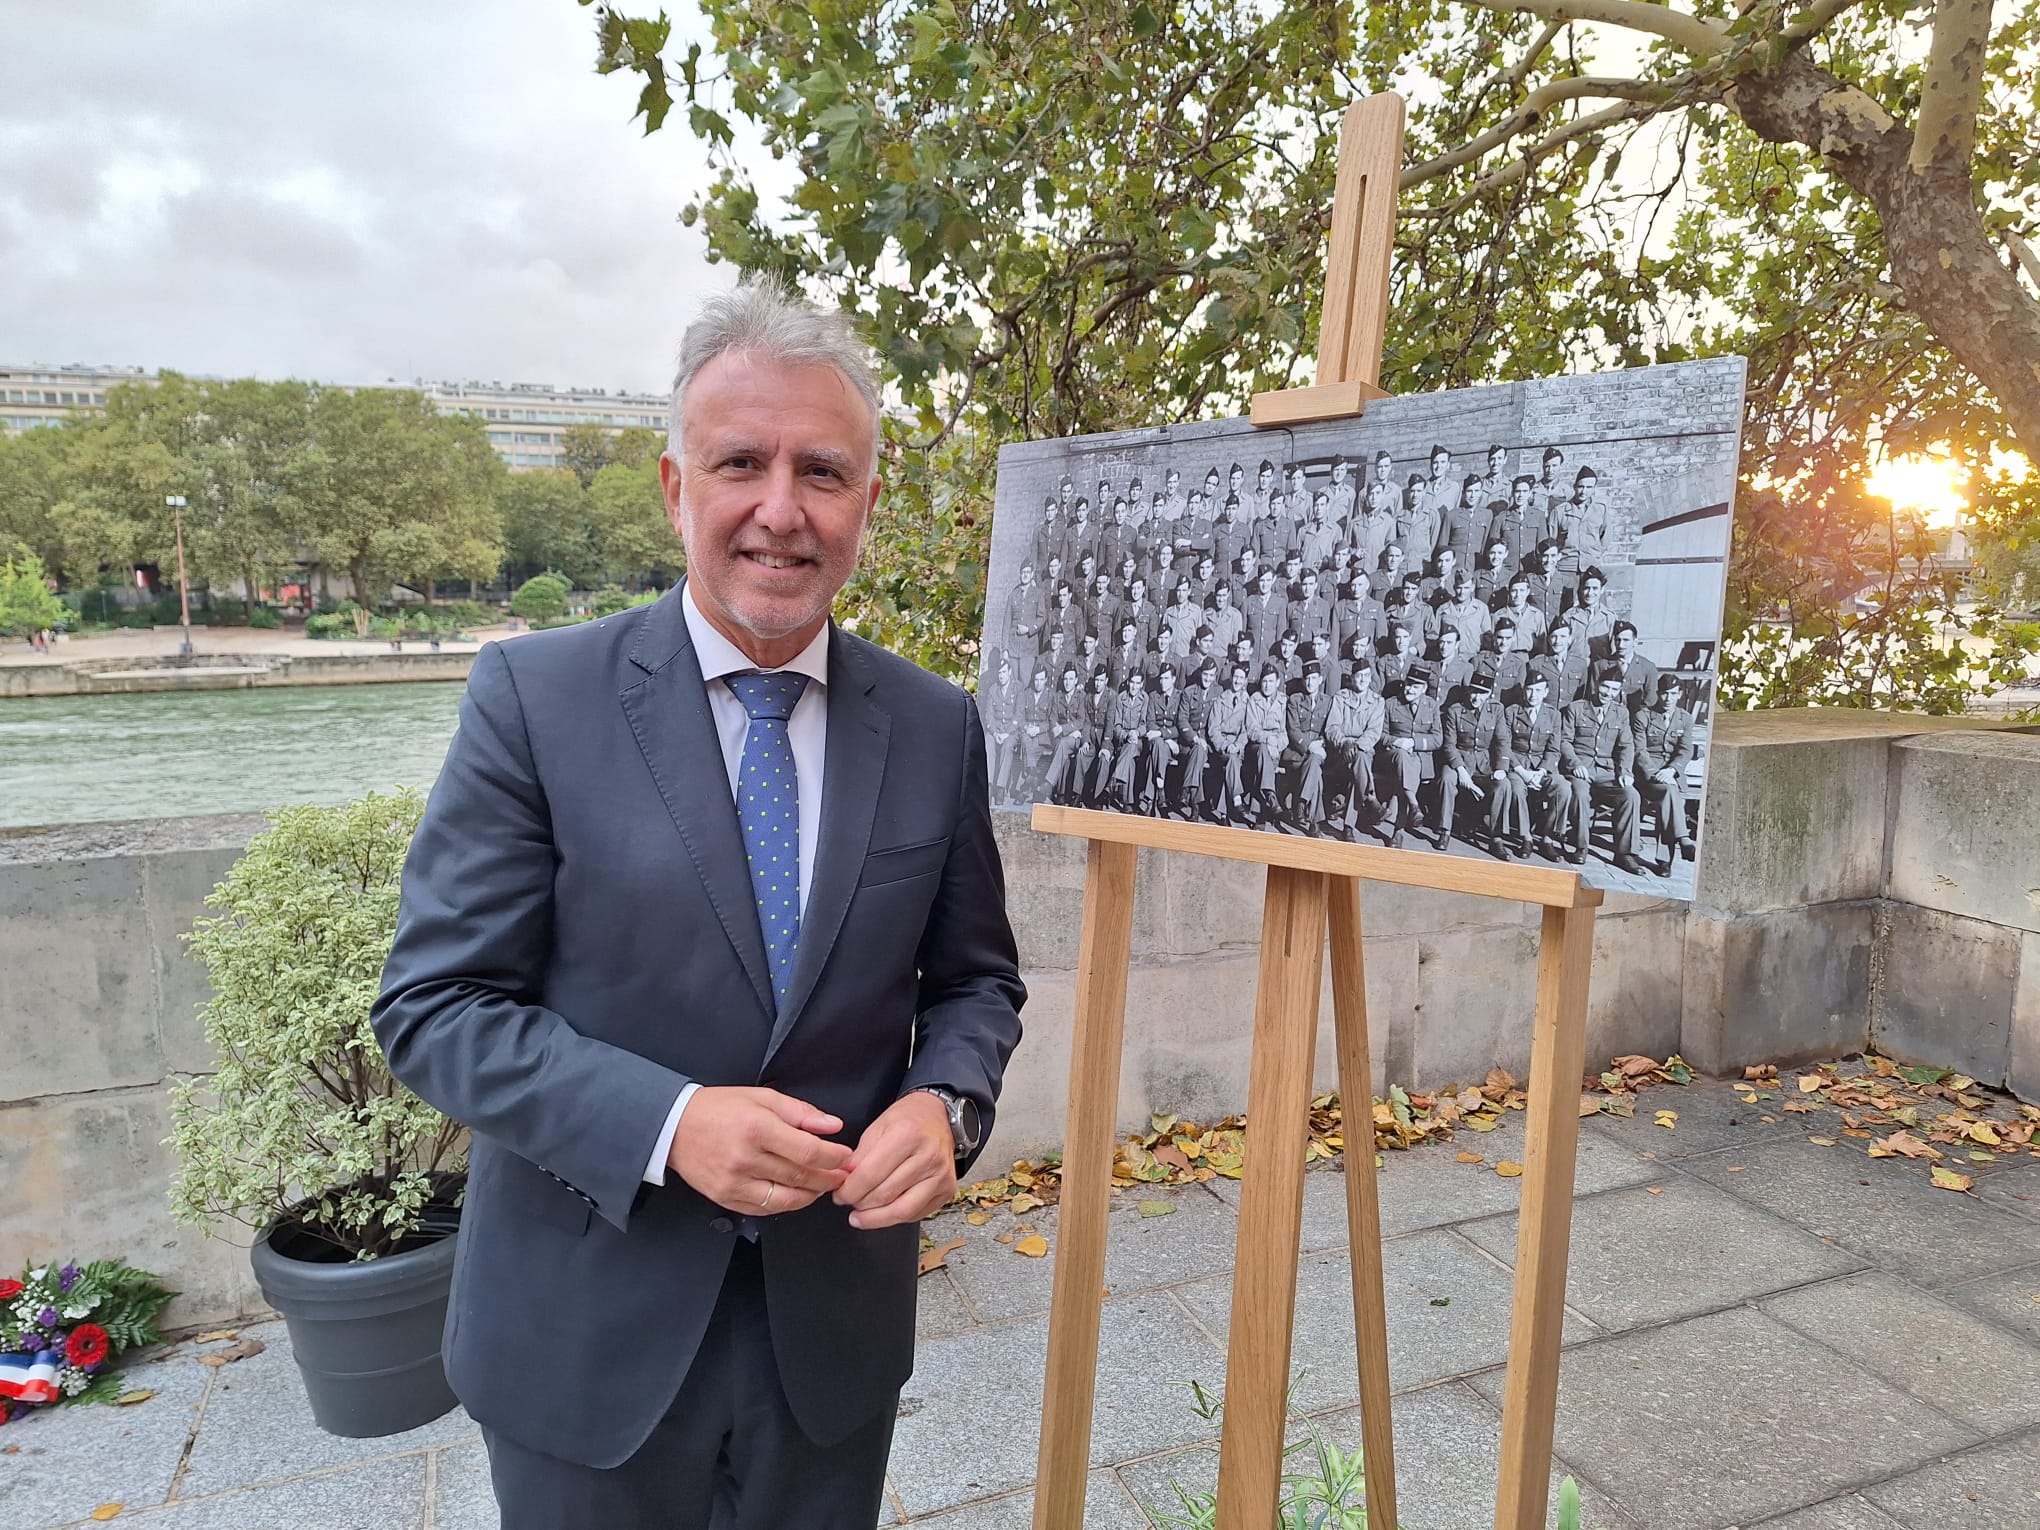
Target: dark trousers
x=727, y=1455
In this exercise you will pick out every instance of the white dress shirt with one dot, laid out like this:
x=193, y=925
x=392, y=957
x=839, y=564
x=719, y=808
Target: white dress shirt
x=806, y=730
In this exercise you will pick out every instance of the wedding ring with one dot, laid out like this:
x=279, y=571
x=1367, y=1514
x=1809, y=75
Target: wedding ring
x=770, y=1191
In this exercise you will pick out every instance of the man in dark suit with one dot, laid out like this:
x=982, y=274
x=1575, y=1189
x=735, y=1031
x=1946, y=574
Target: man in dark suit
x=703, y=936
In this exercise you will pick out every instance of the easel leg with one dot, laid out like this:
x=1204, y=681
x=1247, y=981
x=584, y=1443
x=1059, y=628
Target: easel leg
x=1071, y=1381
x=1271, y=1200
x=1544, y=1230
x=1363, y=1201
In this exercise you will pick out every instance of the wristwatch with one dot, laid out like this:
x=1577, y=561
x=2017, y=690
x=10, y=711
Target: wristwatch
x=965, y=1127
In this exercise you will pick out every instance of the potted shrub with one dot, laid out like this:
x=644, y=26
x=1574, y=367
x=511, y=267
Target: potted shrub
x=301, y=1132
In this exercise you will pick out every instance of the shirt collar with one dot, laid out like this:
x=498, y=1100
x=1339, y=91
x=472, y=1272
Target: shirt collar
x=720, y=657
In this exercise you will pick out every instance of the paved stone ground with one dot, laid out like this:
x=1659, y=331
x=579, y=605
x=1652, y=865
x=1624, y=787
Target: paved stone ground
x=1761, y=1333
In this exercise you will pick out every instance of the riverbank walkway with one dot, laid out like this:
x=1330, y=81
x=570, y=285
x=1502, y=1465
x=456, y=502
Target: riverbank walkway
x=162, y=643
x=1762, y=1331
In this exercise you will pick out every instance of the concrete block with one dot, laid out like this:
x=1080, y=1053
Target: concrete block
x=81, y=982
x=88, y=1174
x=1962, y=837
x=1476, y=998
x=1945, y=990
x=174, y=889
x=1795, y=809
x=1633, y=997
x=2024, y=1073
x=1781, y=986
x=1188, y=1042
x=1996, y=1485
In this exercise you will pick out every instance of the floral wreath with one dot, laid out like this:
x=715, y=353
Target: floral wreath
x=62, y=1328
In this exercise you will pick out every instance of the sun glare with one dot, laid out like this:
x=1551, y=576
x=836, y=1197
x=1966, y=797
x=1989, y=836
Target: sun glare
x=1932, y=487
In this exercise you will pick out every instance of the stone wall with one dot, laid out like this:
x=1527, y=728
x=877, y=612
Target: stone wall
x=1864, y=877
x=246, y=671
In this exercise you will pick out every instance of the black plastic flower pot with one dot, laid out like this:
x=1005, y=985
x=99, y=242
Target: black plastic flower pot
x=365, y=1333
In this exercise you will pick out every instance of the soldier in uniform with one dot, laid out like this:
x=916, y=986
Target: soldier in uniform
x=1405, y=606
x=1267, y=737
x=1550, y=591
x=1193, y=721
x=1597, y=756
x=1435, y=588
x=1373, y=528
x=1341, y=492
x=1406, y=756
x=1226, y=729
x=1440, y=493
x=1128, y=657
x=1094, y=759
x=1222, y=618
x=1263, y=495
x=1564, y=666
x=1180, y=621
x=1103, y=606
x=1476, y=760
x=1538, y=796
x=1664, y=748
x=999, y=707
x=1321, y=535
x=1417, y=522
x=1037, y=729
x=1454, y=669
x=1230, y=535
x=1387, y=574
x=1173, y=500
x=1128, y=739
x=1352, y=729
x=1519, y=523
x=1267, y=613
x=1309, y=614
x=1526, y=620
x=1639, y=675
x=1296, y=501
x=1494, y=484
x=1503, y=662
x=1357, y=615
x=1082, y=536
x=1466, y=612
x=1059, y=656
x=1491, y=579
x=1164, y=740
x=1271, y=533
x=1140, y=610
x=1120, y=540
x=1400, y=659
x=1047, y=542
x=1464, y=526
x=1551, y=490
x=1580, y=526
x=1304, y=756
x=1592, y=621
x=1384, y=474
x=1026, y=615
x=1066, y=731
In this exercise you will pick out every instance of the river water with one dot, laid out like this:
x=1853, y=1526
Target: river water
x=68, y=759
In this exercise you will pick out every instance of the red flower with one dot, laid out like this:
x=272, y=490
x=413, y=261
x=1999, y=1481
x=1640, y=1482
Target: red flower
x=87, y=1345
x=9, y=1289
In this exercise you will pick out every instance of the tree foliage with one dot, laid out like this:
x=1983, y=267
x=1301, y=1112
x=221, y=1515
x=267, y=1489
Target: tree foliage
x=1058, y=218
x=27, y=605
x=301, y=1118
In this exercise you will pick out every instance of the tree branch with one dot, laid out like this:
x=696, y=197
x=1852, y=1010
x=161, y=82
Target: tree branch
x=1535, y=106
x=1515, y=170
x=1944, y=137
x=1814, y=19
x=1702, y=39
x=2022, y=253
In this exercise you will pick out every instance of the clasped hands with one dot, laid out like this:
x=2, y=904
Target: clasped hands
x=757, y=1152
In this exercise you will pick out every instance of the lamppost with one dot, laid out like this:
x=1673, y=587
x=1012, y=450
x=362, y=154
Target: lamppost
x=176, y=503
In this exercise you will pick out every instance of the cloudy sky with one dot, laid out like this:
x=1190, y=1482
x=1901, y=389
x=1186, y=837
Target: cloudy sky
x=380, y=189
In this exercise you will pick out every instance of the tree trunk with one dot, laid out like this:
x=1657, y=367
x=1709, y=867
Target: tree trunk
x=1942, y=258
x=357, y=569
x=431, y=591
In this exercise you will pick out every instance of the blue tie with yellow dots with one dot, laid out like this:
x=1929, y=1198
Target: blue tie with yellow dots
x=768, y=812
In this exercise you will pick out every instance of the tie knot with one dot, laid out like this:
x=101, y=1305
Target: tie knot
x=767, y=696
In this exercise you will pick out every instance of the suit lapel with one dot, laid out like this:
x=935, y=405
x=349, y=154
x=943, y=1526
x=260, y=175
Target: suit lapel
x=853, y=769
x=668, y=711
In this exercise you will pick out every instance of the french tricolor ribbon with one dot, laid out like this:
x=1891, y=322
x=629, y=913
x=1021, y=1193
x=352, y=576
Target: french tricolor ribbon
x=31, y=1378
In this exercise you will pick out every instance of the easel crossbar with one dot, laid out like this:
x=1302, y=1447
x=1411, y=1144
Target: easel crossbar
x=1444, y=873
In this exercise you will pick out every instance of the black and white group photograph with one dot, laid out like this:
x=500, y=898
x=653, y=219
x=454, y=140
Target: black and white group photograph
x=1483, y=622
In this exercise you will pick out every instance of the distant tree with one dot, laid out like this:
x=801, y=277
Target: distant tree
x=633, y=537
x=546, y=523
x=26, y=602
x=541, y=598
x=586, y=448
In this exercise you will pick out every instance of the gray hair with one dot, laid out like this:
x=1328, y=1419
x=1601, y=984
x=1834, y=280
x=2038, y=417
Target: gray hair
x=770, y=323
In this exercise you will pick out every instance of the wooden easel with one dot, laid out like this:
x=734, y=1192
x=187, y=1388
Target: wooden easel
x=1312, y=885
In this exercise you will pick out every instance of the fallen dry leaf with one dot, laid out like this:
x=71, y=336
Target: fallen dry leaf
x=1023, y=1203
x=107, y=1510
x=977, y=1218
x=1948, y=1179
x=1033, y=1247
x=138, y=1395
x=1822, y=1141
x=1634, y=1065
x=1589, y=1105
x=1157, y=1208
x=1508, y=1168
x=937, y=1258
x=1470, y=1158
x=215, y=1335
x=1668, y=1119
x=233, y=1352
x=1903, y=1143
x=1653, y=1189
x=1808, y=1082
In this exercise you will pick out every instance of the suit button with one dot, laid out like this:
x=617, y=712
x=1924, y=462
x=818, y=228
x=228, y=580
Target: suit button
x=722, y=1225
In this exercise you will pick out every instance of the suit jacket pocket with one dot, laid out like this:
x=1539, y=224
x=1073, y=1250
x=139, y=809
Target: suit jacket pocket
x=531, y=1194
x=903, y=862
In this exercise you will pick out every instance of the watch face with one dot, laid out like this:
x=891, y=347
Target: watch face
x=968, y=1122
